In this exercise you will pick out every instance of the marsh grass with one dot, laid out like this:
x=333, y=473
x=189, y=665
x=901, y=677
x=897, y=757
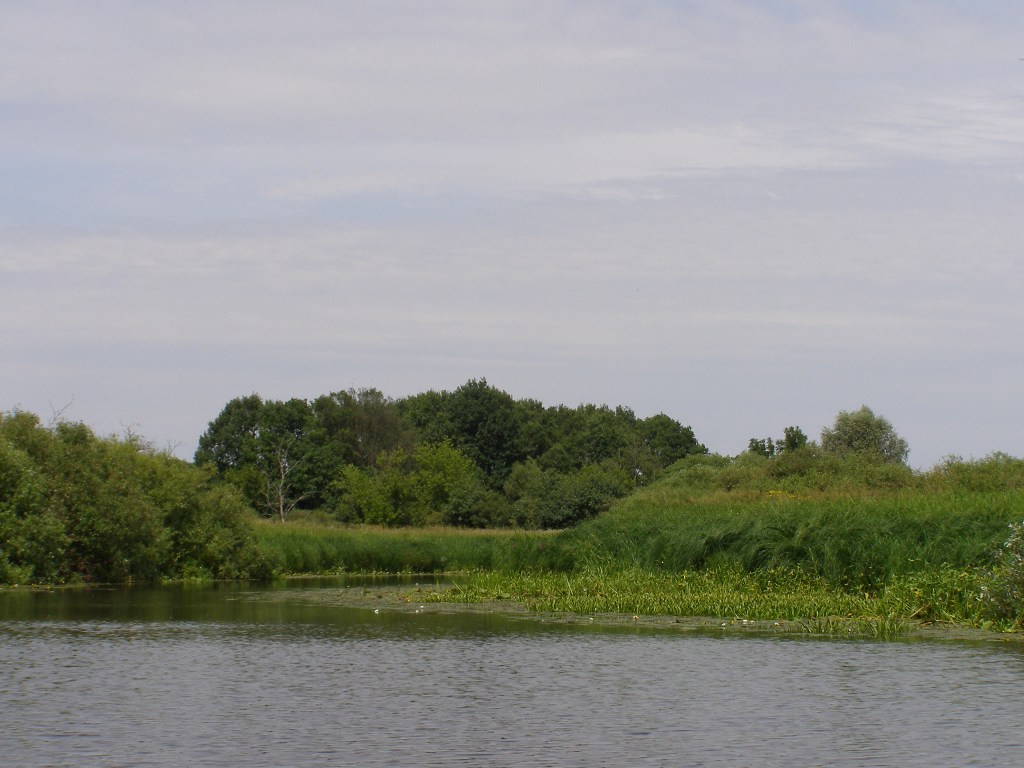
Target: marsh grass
x=721, y=592
x=877, y=627
x=855, y=543
x=317, y=548
x=809, y=604
x=854, y=549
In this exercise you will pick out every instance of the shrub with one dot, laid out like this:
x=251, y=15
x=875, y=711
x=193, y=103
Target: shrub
x=1004, y=588
x=996, y=472
x=73, y=505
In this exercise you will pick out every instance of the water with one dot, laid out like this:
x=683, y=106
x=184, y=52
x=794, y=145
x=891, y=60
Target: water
x=234, y=676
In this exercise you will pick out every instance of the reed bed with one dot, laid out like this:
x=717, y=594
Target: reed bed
x=306, y=548
x=857, y=544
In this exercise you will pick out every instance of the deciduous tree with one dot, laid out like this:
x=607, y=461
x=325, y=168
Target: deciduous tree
x=863, y=432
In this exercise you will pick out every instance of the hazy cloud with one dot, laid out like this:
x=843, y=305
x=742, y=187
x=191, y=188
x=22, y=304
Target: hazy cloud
x=746, y=215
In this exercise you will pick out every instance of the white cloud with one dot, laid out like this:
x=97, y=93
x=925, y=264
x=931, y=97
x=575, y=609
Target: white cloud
x=727, y=209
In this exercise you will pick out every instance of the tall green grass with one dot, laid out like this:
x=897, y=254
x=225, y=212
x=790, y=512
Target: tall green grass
x=316, y=548
x=854, y=543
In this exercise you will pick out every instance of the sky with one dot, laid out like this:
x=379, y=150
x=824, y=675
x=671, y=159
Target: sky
x=745, y=215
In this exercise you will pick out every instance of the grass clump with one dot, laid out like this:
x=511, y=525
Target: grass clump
x=1003, y=588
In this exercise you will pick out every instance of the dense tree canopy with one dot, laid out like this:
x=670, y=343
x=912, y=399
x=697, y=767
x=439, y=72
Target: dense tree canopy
x=465, y=457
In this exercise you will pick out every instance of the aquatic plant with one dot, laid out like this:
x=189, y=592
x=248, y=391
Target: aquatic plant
x=720, y=592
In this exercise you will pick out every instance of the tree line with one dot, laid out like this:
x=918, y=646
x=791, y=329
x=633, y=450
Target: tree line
x=107, y=509
x=474, y=456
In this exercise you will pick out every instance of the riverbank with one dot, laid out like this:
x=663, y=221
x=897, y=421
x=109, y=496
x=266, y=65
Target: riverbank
x=876, y=563
x=801, y=536
x=428, y=596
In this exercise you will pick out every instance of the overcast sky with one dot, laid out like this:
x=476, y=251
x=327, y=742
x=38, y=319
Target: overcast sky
x=745, y=215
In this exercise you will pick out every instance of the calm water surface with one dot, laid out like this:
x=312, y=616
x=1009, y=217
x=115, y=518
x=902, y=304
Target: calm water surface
x=239, y=676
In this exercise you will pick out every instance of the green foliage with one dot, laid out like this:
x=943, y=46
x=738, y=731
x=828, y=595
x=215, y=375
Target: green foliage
x=359, y=425
x=487, y=427
x=761, y=446
x=793, y=440
x=435, y=485
x=74, y=506
x=856, y=540
x=33, y=540
x=368, y=457
x=996, y=472
x=269, y=448
x=862, y=432
x=1003, y=591
x=942, y=594
x=806, y=470
x=722, y=592
x=301, y=548
x=667, y=439
x=547, y=498
x=231, y=440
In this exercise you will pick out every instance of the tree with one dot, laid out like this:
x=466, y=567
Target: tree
x=359, y=425
x=272, y=450
x=669, y=440
x=107, y=509
x=762, y=446
x=792, y=440
x=229, y=441
x=862, y=432
x=483, y=422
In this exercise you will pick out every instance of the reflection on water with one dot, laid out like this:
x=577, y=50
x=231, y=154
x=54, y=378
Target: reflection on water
x=225, y=677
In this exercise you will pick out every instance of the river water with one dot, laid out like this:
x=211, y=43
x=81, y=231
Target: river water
x=235, y=675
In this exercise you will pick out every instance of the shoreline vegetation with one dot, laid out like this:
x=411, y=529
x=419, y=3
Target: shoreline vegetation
x=788, y=535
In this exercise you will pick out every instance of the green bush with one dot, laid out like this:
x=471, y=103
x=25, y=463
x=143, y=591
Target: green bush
x=75, y=506
x=1004, y=588
x=996, y=472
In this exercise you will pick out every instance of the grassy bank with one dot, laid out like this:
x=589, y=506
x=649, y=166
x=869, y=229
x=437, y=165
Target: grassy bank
x=843, y=545
x=870, y=568
x=856, y=545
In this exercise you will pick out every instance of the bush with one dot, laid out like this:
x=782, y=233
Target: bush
x=1004, y=588
x=996, y=472
x=75, y=506
x=435, y=484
